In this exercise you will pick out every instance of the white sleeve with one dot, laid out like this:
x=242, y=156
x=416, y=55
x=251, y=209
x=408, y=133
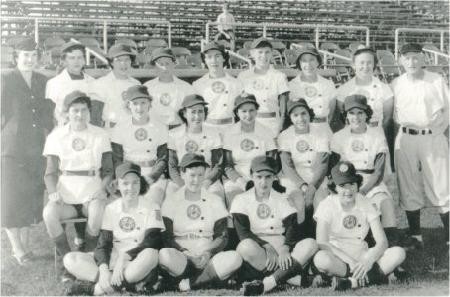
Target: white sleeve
x=238, y=206
x=117, y=133
x=50, y=91
x=105, y=143
x=335, y=145
x=154, y=218
x=283, y=142
x=386, y=92
x=285, y=208
x=323, y=143
x=282, y=84
x=168, y=208
x=324, y=211
x=108, y=218
x=218, y=208
x=51, y=146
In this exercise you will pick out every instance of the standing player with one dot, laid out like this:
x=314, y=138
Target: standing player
x=366, y=148
x=304, y=152
x=166, y=89
x=127, y=250
x=195, y=137
x=226, y=30
x=266, y=225
x=79, y=166
x=421, y=147
x=319, y=92
x=217, y=87
x=343, y=220
x=108, y=89
x=269, y=85
x=141, y=140
x=196, y=231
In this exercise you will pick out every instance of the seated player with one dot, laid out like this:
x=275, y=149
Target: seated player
x=79, y=166
x=127, y=251
x=343, y=220
x=196, y=232
x=266, y=226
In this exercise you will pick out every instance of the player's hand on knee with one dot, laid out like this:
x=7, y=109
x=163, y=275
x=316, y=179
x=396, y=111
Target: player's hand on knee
x=204, y=259
x=55, y=197
x=272, y=257
x=360, y=270
x=284, y=260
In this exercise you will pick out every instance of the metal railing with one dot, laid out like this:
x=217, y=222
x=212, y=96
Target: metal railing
x=317, y=27
x=89, y=51
x=436, y=55
x=418, y=30
x=105, y=23
x=230, y=52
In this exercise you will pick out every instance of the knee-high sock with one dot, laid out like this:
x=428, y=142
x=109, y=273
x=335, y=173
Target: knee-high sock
x=80, y=229
x=414, y=221
x=248, y=273
x=282, y=276
x=375, y=275
x=208, y=275
x=444, y=219
x=392, y=235
x=91, y=242
x=62, y=245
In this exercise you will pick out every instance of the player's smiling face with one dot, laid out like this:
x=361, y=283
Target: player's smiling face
x=165, y=64
x=413, y=62
x=300, y=118
x=261, y=56
x=309, y=63
x=74, y=61
x=139, y=108
x=214, y=59
x=26, y=60
x=193, y=178
x=121, y=65
x=247, y=113
x=129, y=186
x=357, y=118
x=263, y=181
x=78, y=114
x=347, y=192
x=195, y=115
x=363, y=65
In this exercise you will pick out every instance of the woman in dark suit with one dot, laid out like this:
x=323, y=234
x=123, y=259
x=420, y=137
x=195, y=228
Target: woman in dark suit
x=26, y=119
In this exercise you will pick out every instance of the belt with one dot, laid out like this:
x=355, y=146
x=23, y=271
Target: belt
x=266, y=114
x=109, y=124
x=79, y=172
x=268, y=234
x=416, y=131
x=220, y=121
x=319, y=120
x=150, y=163
x=373, y=124
x=191, y=236
x=365, y=171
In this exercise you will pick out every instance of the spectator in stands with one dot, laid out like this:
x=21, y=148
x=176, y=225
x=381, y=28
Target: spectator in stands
x=166, y=89
x=108, y=89
x=217, y=87
x=226, y=30
x=26, y=119
x=319, y=92
x=268, y=85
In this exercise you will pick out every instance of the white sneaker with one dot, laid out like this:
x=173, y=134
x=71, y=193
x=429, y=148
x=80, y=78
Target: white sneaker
x=184, y=285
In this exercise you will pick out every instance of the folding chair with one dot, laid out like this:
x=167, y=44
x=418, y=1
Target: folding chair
x=290, y=57
x=387, y=65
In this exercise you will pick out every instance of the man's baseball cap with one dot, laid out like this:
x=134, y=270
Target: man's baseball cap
x=411, y=48
x=264, y=163
x=356, y=101
x=213, y=46
x=343, y=173
x=162, y=52
x=299, y=103
x=127, y=167
x=244, y=98
x=192, y=100
x=261, y=42
x=26, y=44
x=118, y=50
x=191, y=159
x=136, y=92
x=308, y=50
x=71, y=97
x=69, y=46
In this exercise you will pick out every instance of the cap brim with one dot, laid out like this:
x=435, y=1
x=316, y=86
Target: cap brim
x=141, y=97
x=296, y=105
x=246, y=101
x=346, y=180
x=274, y=171
x=356, y=106
x=196, y=103
x=162, y=56
x=122, y=54
x=128, y=171
x=195, y=163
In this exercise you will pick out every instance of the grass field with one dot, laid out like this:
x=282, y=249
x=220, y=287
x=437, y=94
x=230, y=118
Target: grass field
x=430, y=269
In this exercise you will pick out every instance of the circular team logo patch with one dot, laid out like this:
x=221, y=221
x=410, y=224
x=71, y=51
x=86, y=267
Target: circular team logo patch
x=194, y=211
x=191, y=146
x=349, y=222
x=258, y=84
x=218, y=87
x=141, y=134
x=263, y=211
x=357, y=145
x=247, y=145
x=310, y=91
x=127, y=224
x=302, y=146
x=78, y=144
x=165, y=99
x=343, y=168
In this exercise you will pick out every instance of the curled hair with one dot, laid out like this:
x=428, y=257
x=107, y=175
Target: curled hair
x=110, y=61
x=183, y=118
x=225, y=55
x=369, y=51
x=235, y=111
x=318, y=58
x=332, y=186
x=144, y=187
x=82, y=100
x=287, y=120
x=15, y=55
x=368, y=111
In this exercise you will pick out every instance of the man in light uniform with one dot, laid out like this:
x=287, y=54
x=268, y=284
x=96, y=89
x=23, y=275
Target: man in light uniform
x=167, y=90
x=421, y=148
x=269, y=85
x=226, y=31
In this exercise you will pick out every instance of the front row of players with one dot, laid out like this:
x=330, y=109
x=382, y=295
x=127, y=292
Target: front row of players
x=184, y=242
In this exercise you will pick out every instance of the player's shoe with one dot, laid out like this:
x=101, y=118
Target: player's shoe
x=81, y=288
x=340, y=284
x=253, y=288
x=412, y=243
x=399, y=275
x=66, y=276
x=184, y=285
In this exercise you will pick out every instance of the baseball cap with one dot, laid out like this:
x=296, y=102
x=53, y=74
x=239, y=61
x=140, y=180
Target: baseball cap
x=192, y=100
x=264, y=163
x=136, y=92
x=127, y=167
x=344, y=172
x=162, y=52
x=71, y=97
x=213, y=46
x=411, y=48
x=26, y=44
x=309, y=50
x=299, y=103
x=261, y=42
x=191, y=159
x=245, y=98
x=68, y=46
x=356, y=100
x=118, y=50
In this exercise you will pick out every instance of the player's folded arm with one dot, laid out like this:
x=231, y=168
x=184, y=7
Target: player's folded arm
x=289, y=169
x=242, y=225
x=152, y=240
x=216, y=165
x=291, y=230
x=377, y=176
x=174, y=171
x=102, y=252
x=220, y=236
x=168, y=237
x=117, y=154
x=51, y=173
x=230, y=172
x=162, y=158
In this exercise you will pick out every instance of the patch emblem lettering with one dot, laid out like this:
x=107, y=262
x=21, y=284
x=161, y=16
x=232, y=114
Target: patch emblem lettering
x=141, y=134
x=263, y=211
x=218, y=87
x=127, y=224
x=258, y=84
x=165, y=99
x=310, y=91
x=247, y=145
x=357, y=145
x=302, y=146
x=78, y=144
x=191, y=146
x=194, y=211
x=349, y=222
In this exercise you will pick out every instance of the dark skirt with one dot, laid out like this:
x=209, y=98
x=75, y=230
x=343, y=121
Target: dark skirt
x=22, y=191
